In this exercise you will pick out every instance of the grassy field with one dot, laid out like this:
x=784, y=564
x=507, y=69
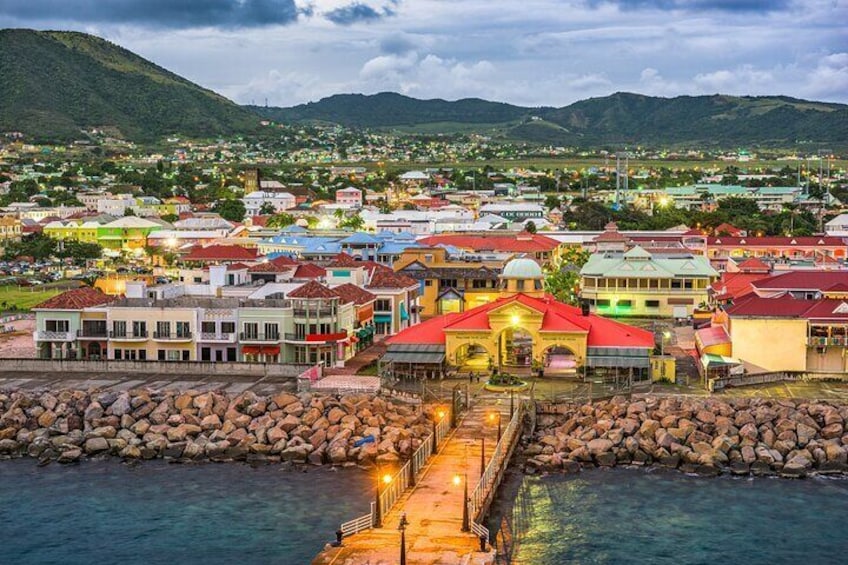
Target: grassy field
x=25, y=297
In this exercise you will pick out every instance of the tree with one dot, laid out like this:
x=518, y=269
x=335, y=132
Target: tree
x=267, y=208
x=280, y=220
x=170, y=218
x=530, y=227
x=552, y=201
x=80, y=251
x=231, y=210
x=354, y=223
x=563, y=280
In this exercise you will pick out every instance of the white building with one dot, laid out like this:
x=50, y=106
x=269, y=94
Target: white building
x=838, y=226
x=349, y=196
x=281, y=201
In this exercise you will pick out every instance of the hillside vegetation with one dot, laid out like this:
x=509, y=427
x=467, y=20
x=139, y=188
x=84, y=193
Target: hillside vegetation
x=54, y=84
x=619, y=118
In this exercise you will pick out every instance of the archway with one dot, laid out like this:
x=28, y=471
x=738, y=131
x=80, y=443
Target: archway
x=94, y=350
x=515, y=346
x=473, y=357
x=559, y=360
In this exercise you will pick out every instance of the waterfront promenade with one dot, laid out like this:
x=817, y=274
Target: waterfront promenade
x=434, y=506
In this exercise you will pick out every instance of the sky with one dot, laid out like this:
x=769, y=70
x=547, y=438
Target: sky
x=527, y=52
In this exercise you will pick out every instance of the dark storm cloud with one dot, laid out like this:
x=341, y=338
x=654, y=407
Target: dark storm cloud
x=155, y=13
x=356, y=12
x=698, y=5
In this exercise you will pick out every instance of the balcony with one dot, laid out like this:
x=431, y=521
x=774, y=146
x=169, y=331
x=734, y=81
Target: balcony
x=316, y=338
x=210, y=337
x=312, y=312
x=128, y=336
x=54, y=336
x=259, y=338
x=167, y=336
x=817, y=341
x=838, y=341
x=92, y=333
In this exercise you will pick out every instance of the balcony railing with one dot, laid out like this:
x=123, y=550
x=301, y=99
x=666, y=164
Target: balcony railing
x=312, y=312
x=260, y=337
x=128, y=335
x=178, y=336
x=54, y=336
x=228, y=337
x=317, y=338
x=295, y=337
x=817, y=341
x=92, y=333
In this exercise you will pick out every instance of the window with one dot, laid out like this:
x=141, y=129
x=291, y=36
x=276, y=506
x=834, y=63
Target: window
x=173, y=355
x=163, y=329
x=160, y=354
x=186, y=355
x=687, y=283
x=447, y=283
x=207, y=327
x=228, y=327
x=118, y=354
x=652, y=304
x=198, y=280
x=675, y=283
x=477, y=283
x=428, y=282
x=142, y=354
x=119, y=329
x=272, y=331
x=625, y=303
x=428, y=258
x=383, y=305
x=232, y=354
x=183, y=329
x=603, y=303
x=57, y=325
x=140, y=329
x=251, y=330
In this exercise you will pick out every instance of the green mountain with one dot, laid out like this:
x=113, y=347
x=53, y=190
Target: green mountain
x=54, y=84
x=616, y=119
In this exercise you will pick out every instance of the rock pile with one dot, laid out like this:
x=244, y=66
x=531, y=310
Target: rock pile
x=70, y=424
x=709, y=436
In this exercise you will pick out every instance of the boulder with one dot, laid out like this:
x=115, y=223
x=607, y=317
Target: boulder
x=70, y=456
x=96, y=445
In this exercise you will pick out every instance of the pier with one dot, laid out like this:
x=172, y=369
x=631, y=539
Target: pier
x=444, y=500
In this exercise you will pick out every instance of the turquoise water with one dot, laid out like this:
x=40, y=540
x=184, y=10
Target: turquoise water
x=633, y=516
x=107, y=512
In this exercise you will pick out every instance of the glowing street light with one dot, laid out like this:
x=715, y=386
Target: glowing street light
x=378, y=510
x=496, y=416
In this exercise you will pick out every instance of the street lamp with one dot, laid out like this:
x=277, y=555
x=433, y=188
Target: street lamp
x=492, y=417
x=402, y=527
x=665, y=335
x=378, y=511
x=440, y=414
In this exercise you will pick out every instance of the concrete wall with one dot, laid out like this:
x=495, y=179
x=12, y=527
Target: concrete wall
x=191, y=368
x=773, y=344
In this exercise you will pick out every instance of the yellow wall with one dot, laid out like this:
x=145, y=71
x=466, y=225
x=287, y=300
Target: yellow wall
x=773, y=344
x=659, y=373
x=515, y=316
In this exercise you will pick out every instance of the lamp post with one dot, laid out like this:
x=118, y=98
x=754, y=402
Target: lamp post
x=665, y=335
x=440, y=414
x=482, y=456
x=492, y=417
x=511, y=403
x=378, y=510
x=402, y=528
x=465, y=525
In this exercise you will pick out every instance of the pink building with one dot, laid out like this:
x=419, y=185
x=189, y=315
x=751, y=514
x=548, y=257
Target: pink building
x=349, y=196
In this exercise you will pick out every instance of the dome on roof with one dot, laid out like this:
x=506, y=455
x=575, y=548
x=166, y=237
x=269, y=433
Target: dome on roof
x=522, y=269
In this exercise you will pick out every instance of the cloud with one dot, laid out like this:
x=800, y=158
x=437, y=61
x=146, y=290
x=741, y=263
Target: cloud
x=173, y=14
x=697, y=5
x=830, y=77
x=357, y=12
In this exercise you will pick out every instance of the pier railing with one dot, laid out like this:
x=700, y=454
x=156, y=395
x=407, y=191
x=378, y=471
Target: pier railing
x=404, y=478
x=481, y=497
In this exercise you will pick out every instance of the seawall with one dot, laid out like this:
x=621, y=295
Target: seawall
x=791, y=438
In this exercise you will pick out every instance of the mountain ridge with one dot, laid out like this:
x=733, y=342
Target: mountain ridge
x=619, y=117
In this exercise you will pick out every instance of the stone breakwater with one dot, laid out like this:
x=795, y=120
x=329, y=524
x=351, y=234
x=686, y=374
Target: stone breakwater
x=791, y=438
x=305, y=428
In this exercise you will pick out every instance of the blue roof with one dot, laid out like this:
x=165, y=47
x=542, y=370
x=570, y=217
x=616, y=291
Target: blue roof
x=359, y=238
x=294, y=228
x=396, y=247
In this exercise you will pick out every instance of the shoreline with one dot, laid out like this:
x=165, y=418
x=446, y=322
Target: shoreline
x=709, y=436
x=293, y=429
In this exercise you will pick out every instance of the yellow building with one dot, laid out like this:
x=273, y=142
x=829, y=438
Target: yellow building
x=452, y=284
x=523, y=329
x=10, y=230
x=74, y=230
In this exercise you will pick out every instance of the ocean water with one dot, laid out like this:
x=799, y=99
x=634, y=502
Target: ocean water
x=623, y=516
x=107, y=512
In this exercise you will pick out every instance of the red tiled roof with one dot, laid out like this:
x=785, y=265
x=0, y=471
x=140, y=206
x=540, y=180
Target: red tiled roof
x=277, y=265
x=76, y=299
x=309, y=271
x=802, y=280
x=753, y=265
x=713, y=335
x=778, y=241
x=384, y=277
x=728, y=229
x=312, y=289
x=344, y=260
x=556, y=317
x=349, y=292
x=515, y=243
x=237, y=266
x=735, y=285
x=787, y=307
x=221, y=253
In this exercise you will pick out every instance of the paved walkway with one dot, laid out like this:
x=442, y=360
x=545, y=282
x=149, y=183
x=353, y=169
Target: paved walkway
x=433, y=507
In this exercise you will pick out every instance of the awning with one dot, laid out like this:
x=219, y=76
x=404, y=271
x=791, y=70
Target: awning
x=403, y=314
x=709, y=360
x=270, y=350
x=250, y=349
x=414, y=358
x=384, y=318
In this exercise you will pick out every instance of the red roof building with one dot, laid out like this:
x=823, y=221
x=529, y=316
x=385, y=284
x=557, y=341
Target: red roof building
x=221, y=254
x=541, y=247
x=76, y=299
x=720, y=249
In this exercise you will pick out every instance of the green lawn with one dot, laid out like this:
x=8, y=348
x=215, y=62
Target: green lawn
x=24, y=298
